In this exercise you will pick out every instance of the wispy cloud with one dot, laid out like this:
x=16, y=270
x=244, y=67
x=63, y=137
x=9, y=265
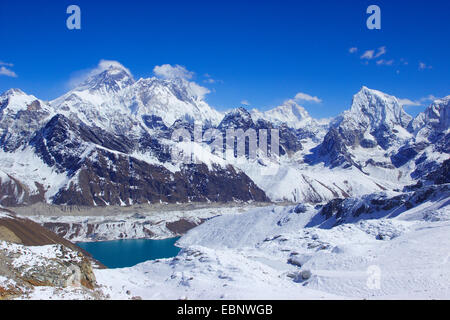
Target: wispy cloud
x=80, y=76
x=353, y=50
x=381, y=51
x=245, y=102
x=408, y=102
x=167, y=71
x=368, y=54
x=373, y=54
x=6, y=64
x=385, y=62
x=423, y=66
x=209, y=79
x=306, y=97
x=415, y=103
x=5, y=69
x=7, y=72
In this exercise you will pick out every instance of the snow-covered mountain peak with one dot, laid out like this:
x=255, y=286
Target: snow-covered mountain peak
x=439, y=111
x=15, y=100
x=241, y=112
x=436, y=117
x=107, y=79
x=170, y=99
x=13, y=91
x=373, y=108
x=290, y=113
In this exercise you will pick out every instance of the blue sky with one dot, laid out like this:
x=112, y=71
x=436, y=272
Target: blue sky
x=262, y=52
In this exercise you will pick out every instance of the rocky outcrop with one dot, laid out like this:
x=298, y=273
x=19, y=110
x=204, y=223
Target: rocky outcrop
x=378, y=205
x=115, y=179
x=32, y=256
x=52, y=266
x=13, y=192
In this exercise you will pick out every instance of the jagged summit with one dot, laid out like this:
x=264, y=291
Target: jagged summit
x=438, y=113
x=171, y=100
x=374, y=108
x=239, y=118
x=109, y=77
x=110, y=98
x=289, y=112
x=12, y=91
x=14, y=100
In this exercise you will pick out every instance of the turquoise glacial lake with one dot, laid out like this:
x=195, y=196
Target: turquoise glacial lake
x=127, y=253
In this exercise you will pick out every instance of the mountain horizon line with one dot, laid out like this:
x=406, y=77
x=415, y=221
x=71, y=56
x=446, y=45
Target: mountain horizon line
x=122, y=76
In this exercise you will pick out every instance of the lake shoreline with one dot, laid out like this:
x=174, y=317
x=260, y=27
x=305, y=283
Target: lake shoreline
x=130, y=252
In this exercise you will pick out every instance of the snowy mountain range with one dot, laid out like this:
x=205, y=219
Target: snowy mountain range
x=108, y=142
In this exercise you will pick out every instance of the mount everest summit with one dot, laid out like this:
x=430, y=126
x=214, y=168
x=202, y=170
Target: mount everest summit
x=108, y=142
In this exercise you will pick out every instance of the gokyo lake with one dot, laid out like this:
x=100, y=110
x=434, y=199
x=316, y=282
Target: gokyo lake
x=127, y=253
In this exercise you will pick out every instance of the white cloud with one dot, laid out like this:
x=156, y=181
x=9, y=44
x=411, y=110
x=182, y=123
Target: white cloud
x=210, y=80
x=306, y=97
x=381, y=51
x=428, y=98
x=167, y=71
x=7, y=72
x=408, y=102
x=353, y=50
x=385, y=62
x=106, y=64
x=368, y=54
x=245, y=102
x=420, y=102
x=6, y=64
x=198, y=90
x=423, y=66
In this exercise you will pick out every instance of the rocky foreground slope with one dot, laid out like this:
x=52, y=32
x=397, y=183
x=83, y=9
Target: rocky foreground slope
x=35, y=263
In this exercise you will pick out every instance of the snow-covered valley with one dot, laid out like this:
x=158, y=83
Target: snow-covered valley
x=298, y=253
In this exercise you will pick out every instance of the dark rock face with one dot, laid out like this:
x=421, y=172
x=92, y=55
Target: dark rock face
x=112, y=179
x=17, y=130
x=14, y=193
x=380, y=205
x=242, y=119
x=368, y=144
x=332, y=208
x=180, y=227
x=61, y=142
x=332, y=151
x=384, y=136
x=101, y=177
x=154, y=122
x=237, y=119
x=289, y=140
x=441, y=175
x=152, y=145
x=437, y=176
x=407, y=153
